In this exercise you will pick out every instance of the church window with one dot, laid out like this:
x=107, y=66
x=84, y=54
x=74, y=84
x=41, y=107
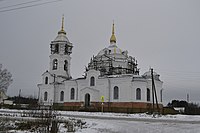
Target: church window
x=56, y=48
x=92, y=81
x=55, y=64
x=106, y=52
x=72, y=94
x=116, y=92
x=138, y=94
x=45, y=96
x=66, y=48
x=46, y=80
x=148, y=94
x=66, y=65
x=62, y=96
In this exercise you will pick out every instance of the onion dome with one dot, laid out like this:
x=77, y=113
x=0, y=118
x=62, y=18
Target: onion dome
x=147, y=75
x=112, y=49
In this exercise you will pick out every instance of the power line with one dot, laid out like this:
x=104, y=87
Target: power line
x=180, y=71
x=19, y=4
x=180, y=74
x=22, y=7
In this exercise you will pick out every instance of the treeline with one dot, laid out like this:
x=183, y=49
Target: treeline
x=23, y=100
x=22, y=103
x=190, y=108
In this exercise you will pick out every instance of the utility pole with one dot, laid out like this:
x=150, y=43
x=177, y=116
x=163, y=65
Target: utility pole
x=154, y=92
x=152, y=89
x=39, y=100
x=188, y=98
x=19, y=96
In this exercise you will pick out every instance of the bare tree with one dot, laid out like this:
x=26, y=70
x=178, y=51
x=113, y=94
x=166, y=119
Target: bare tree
x=5, y=79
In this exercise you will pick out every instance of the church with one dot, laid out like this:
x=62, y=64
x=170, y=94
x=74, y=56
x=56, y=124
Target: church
x=112, y=80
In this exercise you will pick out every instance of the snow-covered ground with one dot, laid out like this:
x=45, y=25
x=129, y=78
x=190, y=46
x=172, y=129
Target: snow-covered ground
x=115, y=126
x=139, y=116
x=138, y=123
x=127, y=123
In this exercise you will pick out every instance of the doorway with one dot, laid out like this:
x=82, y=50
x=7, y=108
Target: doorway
x=87, y=100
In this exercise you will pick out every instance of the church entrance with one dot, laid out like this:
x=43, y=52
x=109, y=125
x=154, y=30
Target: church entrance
x=87, y=100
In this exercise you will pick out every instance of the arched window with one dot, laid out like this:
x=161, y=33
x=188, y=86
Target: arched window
x=66, y=65
x=46, y=80
x=55, y=64
x=62, y=96
x=72, y=94
x=56, y=48
x=45, y=96
x=138, y=94
x=92, y=81
x=148, y=94
x=116, y=92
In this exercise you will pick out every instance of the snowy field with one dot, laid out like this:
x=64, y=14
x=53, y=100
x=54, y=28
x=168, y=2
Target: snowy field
x=116, y=126
x=139, y=123
x=125, y=123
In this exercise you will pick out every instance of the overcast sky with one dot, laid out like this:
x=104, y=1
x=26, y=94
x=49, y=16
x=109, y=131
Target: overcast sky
x=163, y=34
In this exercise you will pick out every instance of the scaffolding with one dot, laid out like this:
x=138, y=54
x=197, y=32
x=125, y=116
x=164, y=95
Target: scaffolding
x=108, y=65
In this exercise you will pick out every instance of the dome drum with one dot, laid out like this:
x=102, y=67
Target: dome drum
x=113, y=66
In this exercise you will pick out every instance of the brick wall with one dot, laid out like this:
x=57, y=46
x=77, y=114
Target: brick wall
x=73, y=104
x=141, y=105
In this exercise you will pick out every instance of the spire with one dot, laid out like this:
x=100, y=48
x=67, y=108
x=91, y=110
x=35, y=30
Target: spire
x=113, y=28
x=62, y=27
x=113, y=38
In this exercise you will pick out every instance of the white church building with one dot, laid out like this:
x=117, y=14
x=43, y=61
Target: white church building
x=111, y=77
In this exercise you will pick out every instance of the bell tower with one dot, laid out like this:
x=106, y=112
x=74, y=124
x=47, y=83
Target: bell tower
x=60, y=59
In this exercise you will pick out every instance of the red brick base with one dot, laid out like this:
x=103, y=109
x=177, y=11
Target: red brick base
x=126, y=107
x=141, y=105
x=68, y=104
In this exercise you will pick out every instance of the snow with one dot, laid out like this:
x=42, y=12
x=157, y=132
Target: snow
x=110, y=126
x=98, y=122
x=112, y=115
x=137, y=116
